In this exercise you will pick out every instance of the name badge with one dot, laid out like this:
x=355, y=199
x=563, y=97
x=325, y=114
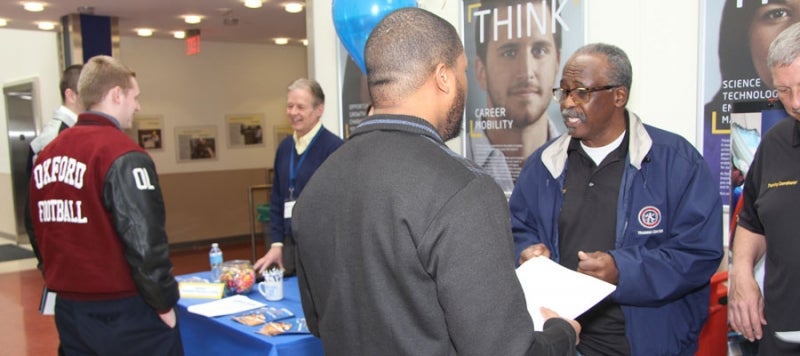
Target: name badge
x=287, y=209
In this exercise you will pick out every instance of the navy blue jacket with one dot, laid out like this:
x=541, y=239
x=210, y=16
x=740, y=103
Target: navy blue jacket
x=668, y=233
x=324, y=145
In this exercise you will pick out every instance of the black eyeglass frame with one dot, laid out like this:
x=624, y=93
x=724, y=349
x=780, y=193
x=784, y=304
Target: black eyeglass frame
x=561, y=94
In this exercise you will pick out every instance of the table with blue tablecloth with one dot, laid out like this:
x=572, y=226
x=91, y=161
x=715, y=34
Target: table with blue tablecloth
x=223, y=336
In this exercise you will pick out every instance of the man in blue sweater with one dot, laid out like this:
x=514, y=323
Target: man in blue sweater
x=624, y=202
x=296, y=160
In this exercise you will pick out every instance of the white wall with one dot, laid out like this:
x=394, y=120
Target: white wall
x=200, y=90
x=26, y=55
x=661, y=39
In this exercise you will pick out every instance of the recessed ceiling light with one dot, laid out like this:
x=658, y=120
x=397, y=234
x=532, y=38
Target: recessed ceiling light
x=3, y=22
x=179, y=34
x=293, y=7
x=193, y=19
x=47, y=26
x=86, y=10
x=144, y=32
x=230, y=21
x=281, y=40
x=253, y=4
x=33, y=6
x=304, y=42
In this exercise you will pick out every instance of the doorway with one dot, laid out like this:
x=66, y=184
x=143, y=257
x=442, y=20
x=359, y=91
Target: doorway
x=21, y=100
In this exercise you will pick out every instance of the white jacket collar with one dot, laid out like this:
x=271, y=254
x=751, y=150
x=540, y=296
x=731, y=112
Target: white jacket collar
x=554, y=156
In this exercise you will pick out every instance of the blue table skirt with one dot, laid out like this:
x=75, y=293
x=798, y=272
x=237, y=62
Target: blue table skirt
x=222, y=336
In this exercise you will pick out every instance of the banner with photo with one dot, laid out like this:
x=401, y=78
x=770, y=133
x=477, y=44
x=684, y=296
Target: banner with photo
x=735, y=42
x=516, y=50
x=355, y=95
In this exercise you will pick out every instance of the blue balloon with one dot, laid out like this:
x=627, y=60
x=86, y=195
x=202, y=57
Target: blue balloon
x=355, y=19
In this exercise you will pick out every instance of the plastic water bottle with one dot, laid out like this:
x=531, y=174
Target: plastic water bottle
x=215, y=258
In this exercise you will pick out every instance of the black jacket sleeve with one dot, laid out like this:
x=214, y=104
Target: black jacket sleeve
x=28, y=216
x=131, y=192
x=557, y=333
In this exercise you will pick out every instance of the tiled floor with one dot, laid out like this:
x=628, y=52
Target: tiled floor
x=23, y=331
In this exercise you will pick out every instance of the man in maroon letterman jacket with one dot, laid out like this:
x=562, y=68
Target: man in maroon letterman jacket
x=99, y=221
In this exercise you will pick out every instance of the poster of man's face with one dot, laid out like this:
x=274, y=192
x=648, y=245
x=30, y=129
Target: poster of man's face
x=516, y=50
x=518, y=72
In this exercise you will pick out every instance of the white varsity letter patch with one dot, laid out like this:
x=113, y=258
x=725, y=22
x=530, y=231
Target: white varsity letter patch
x=142, y=179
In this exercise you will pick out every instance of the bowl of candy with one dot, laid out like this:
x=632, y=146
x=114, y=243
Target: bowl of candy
x=238, y=276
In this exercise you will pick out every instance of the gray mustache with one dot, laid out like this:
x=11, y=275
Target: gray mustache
x=573, y=113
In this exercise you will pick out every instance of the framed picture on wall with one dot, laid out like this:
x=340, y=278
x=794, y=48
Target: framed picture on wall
x=281, y=132
x=147, y=130
x=196, y=143
x=245, y=130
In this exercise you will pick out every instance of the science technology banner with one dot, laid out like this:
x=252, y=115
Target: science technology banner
x=736, y=40
x=516, y=51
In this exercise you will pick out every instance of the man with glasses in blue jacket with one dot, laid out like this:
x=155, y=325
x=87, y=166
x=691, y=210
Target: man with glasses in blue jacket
x=624, y=202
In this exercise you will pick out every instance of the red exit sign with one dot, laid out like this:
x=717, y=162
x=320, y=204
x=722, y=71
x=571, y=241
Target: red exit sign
x=192, y=45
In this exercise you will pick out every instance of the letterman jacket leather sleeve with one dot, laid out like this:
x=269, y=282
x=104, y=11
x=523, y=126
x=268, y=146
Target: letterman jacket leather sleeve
x=132, y=194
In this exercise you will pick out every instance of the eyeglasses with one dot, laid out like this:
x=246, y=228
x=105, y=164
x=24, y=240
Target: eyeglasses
x=581, y=95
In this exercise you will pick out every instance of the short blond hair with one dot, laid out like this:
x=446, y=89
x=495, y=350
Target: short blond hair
x=312, y=86
x=99, y=75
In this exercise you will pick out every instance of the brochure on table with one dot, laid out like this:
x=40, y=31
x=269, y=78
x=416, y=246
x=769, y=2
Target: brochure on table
x=226, y=306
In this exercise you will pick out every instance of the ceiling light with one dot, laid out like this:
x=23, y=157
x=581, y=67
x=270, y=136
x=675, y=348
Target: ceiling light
x=3, y=22
x=193, y=19
x=33, y=6
x=179, y=34
x=293, y=7
x=230, y=21
x=304, y=42
x=144, y=32
x=47, y=26
x=86, y=10
x=253, y=4
x=281, y=41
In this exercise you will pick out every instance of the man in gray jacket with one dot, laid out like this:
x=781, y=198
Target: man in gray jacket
x=404, y=246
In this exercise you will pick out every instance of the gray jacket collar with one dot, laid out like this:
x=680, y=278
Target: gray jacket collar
x=554, y=157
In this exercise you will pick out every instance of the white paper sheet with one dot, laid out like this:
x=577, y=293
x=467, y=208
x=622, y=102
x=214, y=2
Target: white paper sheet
x=568, y=293
x=47, y=306
x=225, y=306
x=789, y=336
